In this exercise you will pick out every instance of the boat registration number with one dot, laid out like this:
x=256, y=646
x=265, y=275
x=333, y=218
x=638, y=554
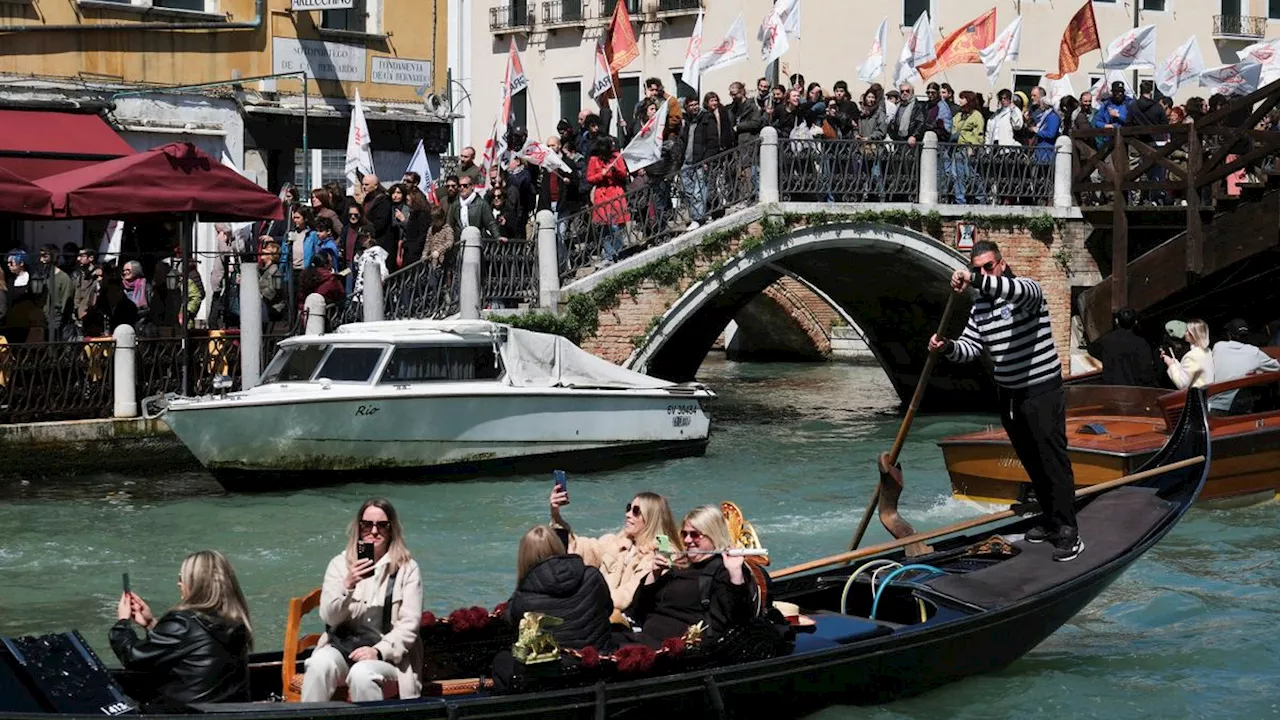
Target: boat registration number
x=681, y=420
x=682, y=409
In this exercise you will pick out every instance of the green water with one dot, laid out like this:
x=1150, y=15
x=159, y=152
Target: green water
x=1189, y=631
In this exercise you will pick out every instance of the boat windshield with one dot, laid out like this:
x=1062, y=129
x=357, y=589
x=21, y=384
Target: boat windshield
x=436, y=362
x=350, y=364
x=294, y=363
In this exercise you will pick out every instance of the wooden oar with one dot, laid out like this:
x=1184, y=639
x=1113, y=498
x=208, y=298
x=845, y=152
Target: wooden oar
x=907, y=419
x=975, y=522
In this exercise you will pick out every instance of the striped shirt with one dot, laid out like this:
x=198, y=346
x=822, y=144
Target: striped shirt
x=1010, y=318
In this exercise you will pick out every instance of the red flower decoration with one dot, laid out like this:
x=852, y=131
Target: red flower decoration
x=479, y=617
x=635, y=658
x=590, y=656
x=674, y=646
x=428, y=619
x=460, y=620
x=500, y=608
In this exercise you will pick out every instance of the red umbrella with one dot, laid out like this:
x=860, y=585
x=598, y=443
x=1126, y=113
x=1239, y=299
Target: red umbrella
x=173, y=178
x=21, y=196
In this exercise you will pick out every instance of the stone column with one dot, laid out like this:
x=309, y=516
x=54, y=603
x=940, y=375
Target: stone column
x=315, y=309
x=469, y=287
x=548, y=262
x=1062, y=172
x=769, y=165
x=372, y=302
x=124, y=360
x=929, y=170
x=250, y=325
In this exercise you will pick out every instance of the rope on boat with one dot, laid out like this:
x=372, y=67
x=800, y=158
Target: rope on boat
x=875, y=603
x=844, y=595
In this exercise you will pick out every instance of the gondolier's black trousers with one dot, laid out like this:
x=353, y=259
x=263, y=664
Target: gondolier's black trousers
x=1036, y=420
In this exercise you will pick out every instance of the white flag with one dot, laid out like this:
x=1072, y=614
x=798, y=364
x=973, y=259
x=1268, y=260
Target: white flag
x=789, y=11
x=1134, y=49
x=516, y=79
x=871, y=68
x=773, y=37
x=692, y=55
x=918, y=50
x=732, y=50
x=359, y=149
x=538, y=154
x=1266, y=54
x=603, y=82
x=1055, y=90
x=1102, y=88
x=1181, y=68
x=1239, y=78
x=1004, y=48
x=646, y=147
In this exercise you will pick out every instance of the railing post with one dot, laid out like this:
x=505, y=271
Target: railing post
x=371, y=300
x=548, y=261
x=250, y=325
x=315, y=309
x=1062, y=172
x=769, y=165
x=929, y=169
x=469, y=286
x=124, y=363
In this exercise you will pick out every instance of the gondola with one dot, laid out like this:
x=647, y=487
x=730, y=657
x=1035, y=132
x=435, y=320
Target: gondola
x=975, y=601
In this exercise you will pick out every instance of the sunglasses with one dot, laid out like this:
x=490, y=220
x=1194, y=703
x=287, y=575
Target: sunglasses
x=384, y=526
x=692, y=535
x=632, y=510
x=989, y=266
x=462, y=185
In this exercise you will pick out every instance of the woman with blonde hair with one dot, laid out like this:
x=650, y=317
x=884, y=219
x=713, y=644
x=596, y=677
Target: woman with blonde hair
x=550, y=581
x=371, y=604
x=1196, y=367
x=625, y=556
x=674, y=595
x=198, y=652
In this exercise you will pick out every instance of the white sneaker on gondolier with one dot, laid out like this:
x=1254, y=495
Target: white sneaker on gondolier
x=1067, y=545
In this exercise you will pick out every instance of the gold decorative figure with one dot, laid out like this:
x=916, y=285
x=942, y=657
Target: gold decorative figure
x=535, y=643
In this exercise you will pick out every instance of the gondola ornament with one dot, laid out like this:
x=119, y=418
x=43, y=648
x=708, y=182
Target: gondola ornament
x=535, y=643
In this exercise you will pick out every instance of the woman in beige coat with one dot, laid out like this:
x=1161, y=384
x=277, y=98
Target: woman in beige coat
x=625, y=556
x=1196, y=367
x=377, y=645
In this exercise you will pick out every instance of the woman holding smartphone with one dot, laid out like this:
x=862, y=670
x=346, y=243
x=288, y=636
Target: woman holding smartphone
x=371, y=604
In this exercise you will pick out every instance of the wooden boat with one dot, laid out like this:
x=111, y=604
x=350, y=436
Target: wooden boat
x=1113, y=430
x=987, y=598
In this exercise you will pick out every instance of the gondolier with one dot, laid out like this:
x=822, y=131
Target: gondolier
x=1010, y=319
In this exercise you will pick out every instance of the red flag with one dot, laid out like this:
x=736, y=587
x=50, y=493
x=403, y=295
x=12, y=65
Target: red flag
x=962, y=46
x=621, y=47
x=1080, y=37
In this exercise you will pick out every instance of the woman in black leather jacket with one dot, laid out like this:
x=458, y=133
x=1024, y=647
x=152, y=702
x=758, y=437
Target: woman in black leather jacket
x=198, y=652
x=552, y=582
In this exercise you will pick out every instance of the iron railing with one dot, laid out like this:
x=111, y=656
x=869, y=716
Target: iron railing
x=564, y=12
x=1239, y=26
x=606, y=7
x=678, y=6
x=160, y=364
x=514, y=15
x=995, y=174
x=848, y=171
x=508, y=272
x=56, y=381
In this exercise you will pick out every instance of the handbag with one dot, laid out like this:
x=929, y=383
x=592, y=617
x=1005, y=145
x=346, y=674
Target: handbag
x=347, y=638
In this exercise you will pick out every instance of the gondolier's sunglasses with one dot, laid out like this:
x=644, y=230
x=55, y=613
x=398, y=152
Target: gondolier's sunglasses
x=987, y=266
x=384, y=526
x=632, y=510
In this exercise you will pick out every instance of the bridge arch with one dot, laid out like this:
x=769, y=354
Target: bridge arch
x=891, y=280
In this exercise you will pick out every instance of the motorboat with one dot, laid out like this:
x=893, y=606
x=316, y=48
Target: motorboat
x=434, y=399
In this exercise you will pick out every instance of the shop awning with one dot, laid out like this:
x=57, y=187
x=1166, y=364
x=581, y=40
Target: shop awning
x=39, y=143
x=173, y=178
x=23, y=197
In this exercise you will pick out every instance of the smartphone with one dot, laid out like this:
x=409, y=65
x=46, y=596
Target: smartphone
x=562, y=481
x=124, y=577
x=364, y=551
x=663, y=543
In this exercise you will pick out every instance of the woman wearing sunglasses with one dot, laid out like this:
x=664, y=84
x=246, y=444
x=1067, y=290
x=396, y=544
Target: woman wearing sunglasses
x=371, y=604
x=625, y=556
x=674, y=595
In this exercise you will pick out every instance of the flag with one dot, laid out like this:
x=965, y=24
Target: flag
x=1134, y=49
x=516, y=79
x=646, y=147
x=789, y=12
x=693, y=54
x=1239, y=78
x=1266, y=54
x=621, y=46
x=1005, y=48
x=1055, y=89
x=1080, y=37
x=962, y=46
x=602, y=86
x=773, y=37
x=730, y=51
x=1182, y=67
x=359, y=150
x=917, y=51
x=871, y=68
x=418, y=163
x=1102, y=87
x=538, y=154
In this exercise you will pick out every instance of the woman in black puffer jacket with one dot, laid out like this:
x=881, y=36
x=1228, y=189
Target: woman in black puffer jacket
x=552, y=582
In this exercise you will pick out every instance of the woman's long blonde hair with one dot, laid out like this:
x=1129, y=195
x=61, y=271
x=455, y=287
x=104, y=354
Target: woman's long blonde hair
x=210, y=587
x=656, y=514
x=537, y=545
x=397, y=551
x=709, y=520
x=1198, y=332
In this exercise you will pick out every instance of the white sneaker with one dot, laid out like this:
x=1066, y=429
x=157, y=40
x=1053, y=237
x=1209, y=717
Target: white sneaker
x=692, y=226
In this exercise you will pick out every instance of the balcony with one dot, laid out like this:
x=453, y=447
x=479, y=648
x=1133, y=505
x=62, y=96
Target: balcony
x=1239, y=27
x=513, y=17
x=634, y=7
x=675, y=8
x=564, y=14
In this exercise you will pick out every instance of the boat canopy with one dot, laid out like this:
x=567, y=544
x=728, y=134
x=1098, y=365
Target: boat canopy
x=535, y=359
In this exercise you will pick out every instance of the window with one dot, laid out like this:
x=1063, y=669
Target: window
x=350, y=364
x=570, y=100
x=333, y=166
x=628, y=97
x=355, y=19
x=1153, y=5
x=633, y=7
x=1024, y=81
x=295, y=363
x=1273, y=9
x=428, y=363
x=684, y=91
x=519, y=111
x=912, y=9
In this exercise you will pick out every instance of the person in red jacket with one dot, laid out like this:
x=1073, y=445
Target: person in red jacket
x=607, y=174
x=319, y=278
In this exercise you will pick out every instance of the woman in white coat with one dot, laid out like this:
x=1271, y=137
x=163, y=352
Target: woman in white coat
x=1196, y=367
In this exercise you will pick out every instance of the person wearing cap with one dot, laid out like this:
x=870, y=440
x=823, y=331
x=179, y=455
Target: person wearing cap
x=1114, y=111
x=1234, y=358
x=1196, y=367
x=1126, y=357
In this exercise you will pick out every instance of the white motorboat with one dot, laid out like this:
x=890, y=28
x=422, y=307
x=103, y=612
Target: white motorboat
x=435, y=399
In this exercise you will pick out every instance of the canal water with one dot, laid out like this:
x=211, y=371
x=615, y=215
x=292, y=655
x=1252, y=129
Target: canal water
x=1192, y=630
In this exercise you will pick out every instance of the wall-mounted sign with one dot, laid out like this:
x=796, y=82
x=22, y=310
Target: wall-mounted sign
x=398, y=71
x=320, y=60
x=323, y=4
x=965, y=235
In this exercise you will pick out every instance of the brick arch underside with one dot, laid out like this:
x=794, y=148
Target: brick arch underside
x=776, y=325
x=896, y=297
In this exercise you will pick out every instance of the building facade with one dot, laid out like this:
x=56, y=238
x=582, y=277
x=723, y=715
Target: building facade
x=556, y=40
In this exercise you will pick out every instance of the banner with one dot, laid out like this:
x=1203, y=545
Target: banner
x=1181, y=68
x=871, y=68
x=732, y=50
x=645, y=148
x=962, y=46
x=1266, y=54
x=621, y=47
x=1239, y=78
x=1134, y=49
x=359, y=149
x=773, y=37
x=535, y=153
x=789, y=11
x=1080, y=37
x=602, y=86
x=693, y=55
x=516, y=79
x=1005, y=48
x=418, y=163
x=917, y=51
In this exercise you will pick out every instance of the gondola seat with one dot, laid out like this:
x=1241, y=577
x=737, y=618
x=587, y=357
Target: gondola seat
x=295, y=644
x=833, y=630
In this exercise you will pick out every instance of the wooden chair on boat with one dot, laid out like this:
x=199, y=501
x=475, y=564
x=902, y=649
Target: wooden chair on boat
x=295, y=645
